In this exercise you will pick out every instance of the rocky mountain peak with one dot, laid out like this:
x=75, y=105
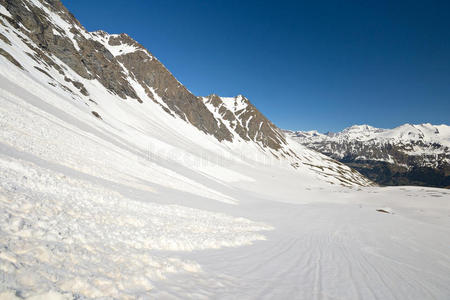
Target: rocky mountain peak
x=245, y=122
x=359, y=128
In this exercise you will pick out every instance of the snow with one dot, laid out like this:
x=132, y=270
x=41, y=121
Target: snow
x=234, y=104
x=403, y=133
x=421, y=139
x=50, y=295
x=218, y=117
x=143, y=205
x=4, y=11
x=116, y=50
x=48, y=216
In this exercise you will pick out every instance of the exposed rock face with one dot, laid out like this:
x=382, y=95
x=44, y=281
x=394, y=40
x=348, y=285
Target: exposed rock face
x=85, y=56
x=245, y=120
x=406, y=155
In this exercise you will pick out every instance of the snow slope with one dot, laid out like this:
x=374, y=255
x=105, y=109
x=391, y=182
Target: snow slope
x=140, y=205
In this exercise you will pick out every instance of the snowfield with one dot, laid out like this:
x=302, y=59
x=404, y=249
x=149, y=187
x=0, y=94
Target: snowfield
x=138, y=204
x=58, y=231
x=86, y=215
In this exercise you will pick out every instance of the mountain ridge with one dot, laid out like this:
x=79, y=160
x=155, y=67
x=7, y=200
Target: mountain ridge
x=407, y=154
x=55, y=49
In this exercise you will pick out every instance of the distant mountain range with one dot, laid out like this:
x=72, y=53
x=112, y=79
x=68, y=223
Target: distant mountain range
x=405, y=155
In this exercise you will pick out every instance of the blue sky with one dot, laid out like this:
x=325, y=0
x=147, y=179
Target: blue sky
x=306, y=65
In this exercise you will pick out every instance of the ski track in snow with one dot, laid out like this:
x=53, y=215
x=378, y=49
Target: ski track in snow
x=355, y=254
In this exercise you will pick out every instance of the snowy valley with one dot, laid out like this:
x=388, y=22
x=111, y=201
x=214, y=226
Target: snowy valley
x=116, y=182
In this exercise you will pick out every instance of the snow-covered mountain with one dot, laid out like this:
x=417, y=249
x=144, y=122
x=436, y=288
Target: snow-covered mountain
x=116, y=182
x=408, y=154
x=93, y=69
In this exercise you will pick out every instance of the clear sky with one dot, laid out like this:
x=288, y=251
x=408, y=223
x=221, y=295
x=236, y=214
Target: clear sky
x=306, y=65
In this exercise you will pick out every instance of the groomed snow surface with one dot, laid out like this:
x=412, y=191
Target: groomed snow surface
x=141, y=205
